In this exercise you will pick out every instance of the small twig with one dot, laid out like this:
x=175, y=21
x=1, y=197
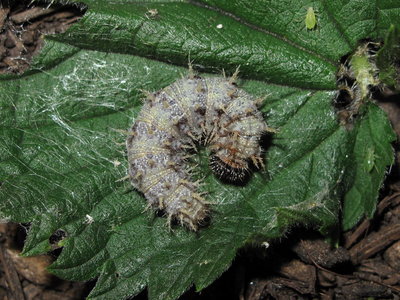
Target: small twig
x=66, y=15
x=331, y=272
x=12, y=277
x=355, y=277
x=18, y=43
x=364, y=226
x=388, y=201
x=375, y=242
x=3, y=16
x=73, y=20
x=30, y=14
x=380, y=283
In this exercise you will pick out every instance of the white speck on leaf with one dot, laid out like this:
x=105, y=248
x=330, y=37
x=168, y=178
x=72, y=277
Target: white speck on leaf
x=89, y=219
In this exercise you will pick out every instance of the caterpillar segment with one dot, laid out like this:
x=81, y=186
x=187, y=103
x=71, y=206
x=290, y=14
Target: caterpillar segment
x=193, y=111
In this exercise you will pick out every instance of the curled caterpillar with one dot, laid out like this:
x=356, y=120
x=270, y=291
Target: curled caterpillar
x=209, y=111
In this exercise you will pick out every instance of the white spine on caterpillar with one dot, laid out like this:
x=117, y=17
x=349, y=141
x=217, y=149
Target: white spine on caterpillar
x=194, y=110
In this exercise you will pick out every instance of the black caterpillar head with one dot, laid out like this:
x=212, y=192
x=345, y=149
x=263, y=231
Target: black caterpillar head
x=227, y=173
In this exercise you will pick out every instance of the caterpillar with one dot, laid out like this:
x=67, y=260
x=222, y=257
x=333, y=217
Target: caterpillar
x=192, y=111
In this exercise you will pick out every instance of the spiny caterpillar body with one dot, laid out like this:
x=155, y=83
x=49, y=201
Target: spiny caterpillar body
x=209, y=111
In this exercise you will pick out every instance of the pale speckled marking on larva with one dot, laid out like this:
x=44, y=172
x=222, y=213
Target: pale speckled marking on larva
x=194, y=110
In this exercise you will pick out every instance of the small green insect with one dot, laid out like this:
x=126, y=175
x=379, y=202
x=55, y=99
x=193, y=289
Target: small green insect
x=370, y=159
x=311, y=19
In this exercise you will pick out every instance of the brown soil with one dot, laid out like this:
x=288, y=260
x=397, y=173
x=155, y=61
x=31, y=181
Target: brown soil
x=301, y=266
x=22, y=27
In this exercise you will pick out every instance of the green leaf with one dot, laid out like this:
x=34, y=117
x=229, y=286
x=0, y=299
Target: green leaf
x=372, y=154
x=62, y=158
x=181, y=28
x=387, y=14
x=388, y=57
